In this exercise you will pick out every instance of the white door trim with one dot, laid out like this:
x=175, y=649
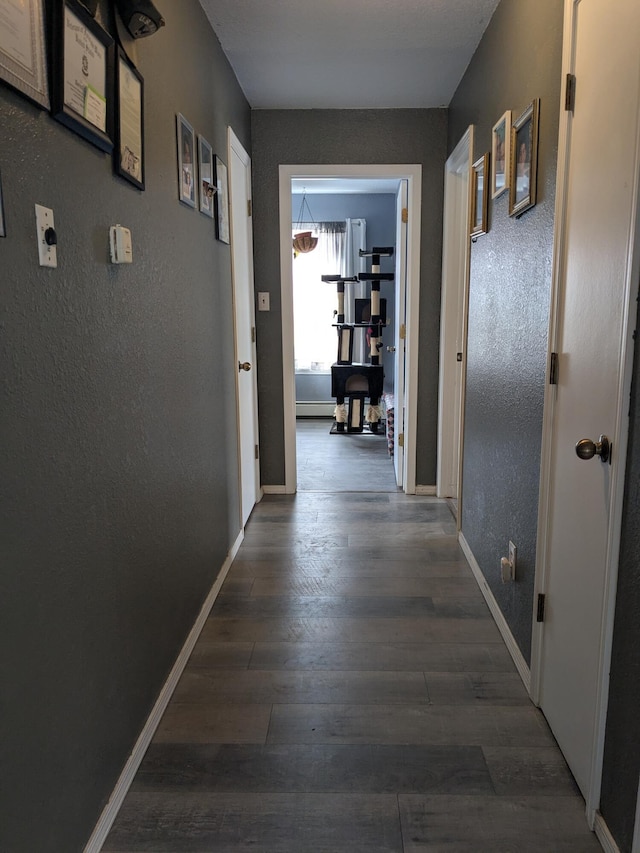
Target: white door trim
x=234, y=144
x=620, y=435
x=454, y=320
x=413, y=174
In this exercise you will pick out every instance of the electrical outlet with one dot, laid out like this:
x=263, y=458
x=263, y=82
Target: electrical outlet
x=512, y=559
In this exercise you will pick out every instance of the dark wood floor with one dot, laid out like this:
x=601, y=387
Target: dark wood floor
x=350, y=692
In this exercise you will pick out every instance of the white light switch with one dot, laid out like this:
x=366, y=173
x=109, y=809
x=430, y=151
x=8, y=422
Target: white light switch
x=120, y=245
x=263, y=301
x=47, y=237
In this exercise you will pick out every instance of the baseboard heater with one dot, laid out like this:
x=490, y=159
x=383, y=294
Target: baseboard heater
x=315, y=408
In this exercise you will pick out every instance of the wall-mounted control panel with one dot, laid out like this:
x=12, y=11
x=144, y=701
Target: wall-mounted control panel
x=120, y=245
x=47, y=237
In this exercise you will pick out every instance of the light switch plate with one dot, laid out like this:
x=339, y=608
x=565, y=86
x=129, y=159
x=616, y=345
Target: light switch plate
x=47, y=255
x=264, y=301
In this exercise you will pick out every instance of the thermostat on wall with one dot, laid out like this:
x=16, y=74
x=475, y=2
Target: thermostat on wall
x=120, y=245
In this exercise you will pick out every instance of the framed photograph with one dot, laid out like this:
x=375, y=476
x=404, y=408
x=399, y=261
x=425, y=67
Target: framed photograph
x=186, y=161
x=3, y=230
x=82, y=73
x=479, y=196
x=128, y=152
x=222, y=202
x=500, y=150
x=23, y=61
x=524, y=160
x=205, y=175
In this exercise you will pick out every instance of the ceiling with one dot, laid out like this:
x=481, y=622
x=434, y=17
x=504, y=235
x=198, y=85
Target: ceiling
x=349, y=54
x=316, y=186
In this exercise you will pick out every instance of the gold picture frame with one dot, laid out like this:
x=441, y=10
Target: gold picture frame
x=524, y=160
x=479, y=197
x=501, y=155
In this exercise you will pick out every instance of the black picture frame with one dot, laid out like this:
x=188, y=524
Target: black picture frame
x=524, y=160
x=3, y=227
x=25, y=68
x=128, y=150
x=84, y=103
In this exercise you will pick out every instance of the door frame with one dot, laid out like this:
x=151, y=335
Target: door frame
x=413, y=174
x=454, y=318
x=235, y=145
x=620, y=436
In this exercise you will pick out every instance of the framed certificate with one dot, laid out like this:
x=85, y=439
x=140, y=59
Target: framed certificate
x=82, y=68
x=23, y=62
x=128, y=152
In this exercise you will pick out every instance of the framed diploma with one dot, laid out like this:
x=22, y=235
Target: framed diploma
x=82, y=70
x=128, y=151
x=23, y=62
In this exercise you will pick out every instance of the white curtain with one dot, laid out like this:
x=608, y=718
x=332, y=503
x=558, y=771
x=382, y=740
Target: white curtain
x=315, y=337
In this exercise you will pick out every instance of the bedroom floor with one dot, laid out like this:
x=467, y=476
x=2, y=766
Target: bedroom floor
x=351, y=692
x=341, y=463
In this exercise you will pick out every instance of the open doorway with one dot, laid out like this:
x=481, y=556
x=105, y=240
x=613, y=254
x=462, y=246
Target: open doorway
x=347, y=216
x=401, y=333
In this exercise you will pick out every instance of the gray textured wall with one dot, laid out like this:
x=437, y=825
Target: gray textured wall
x=519, y=59
x=349, y=137
x=622, y=745
x=118, y=479
x=379, y=209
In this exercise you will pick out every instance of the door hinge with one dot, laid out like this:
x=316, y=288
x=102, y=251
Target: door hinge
x=570, y=93
x=249, y=207
x=257, y=452
x=553, y=369
x=253, y=334
x=402, y=334
x=401, y=440
x=540, y=613
x=405, y=214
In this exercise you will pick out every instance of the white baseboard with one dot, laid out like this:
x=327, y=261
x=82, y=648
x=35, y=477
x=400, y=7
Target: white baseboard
x=315, y=408
x=604, y=836
x=501, y=622
x=105, y=822
x=426, y=490
x=274, y=490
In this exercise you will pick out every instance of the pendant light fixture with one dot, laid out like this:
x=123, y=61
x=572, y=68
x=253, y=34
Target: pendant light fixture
x=304, y=241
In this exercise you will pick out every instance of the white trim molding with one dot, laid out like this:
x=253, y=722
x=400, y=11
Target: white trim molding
x=109, y=814
x=501, y=622
x=426, y=490
x=412, y=173
x=275, y=490
x=604, y=836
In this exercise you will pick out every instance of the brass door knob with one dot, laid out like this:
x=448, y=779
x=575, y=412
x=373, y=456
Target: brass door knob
x=244, y=365
x=587, y=449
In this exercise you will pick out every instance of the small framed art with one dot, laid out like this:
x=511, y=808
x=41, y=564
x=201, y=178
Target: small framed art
x=500, y=154
x=23, y=62
x=222, y=202
x=129, y=125
x=479, y=196
x=524, y=160
x=205, y=176
x=82, y=71
x=186, y=161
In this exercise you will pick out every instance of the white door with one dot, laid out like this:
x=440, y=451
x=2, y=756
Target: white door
x=453, y=317
x=399, y=337
x=597, y=284
x=243, y=299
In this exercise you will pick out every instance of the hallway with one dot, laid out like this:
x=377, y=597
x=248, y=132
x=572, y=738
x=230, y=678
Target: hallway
x=350, y=692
